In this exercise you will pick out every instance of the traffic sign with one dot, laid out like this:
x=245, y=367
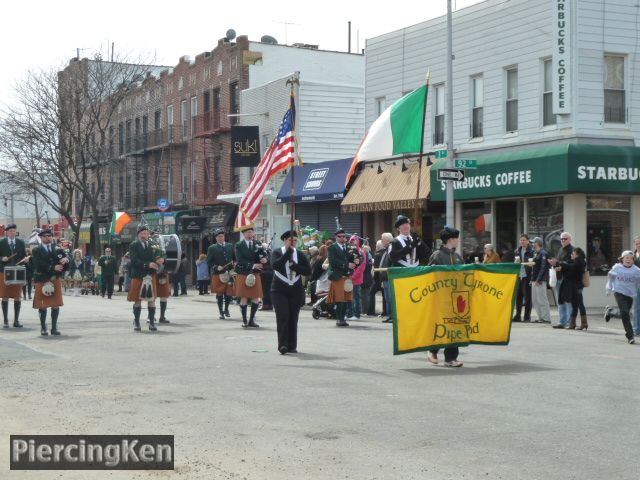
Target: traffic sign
x=163, y=204
x=463, y=163
x=450, y=174
x=442, y=153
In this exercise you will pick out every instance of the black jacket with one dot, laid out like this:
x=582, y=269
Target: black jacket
x=413, y=245
x=279, y=262
x=540, y=270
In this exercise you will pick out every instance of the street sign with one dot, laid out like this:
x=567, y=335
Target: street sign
x=450, y=174
x=462, y=163
x=442, y=153
x=163, y=204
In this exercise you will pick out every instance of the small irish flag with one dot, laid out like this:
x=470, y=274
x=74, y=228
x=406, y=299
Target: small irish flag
x=397, y=130
x=119, y=220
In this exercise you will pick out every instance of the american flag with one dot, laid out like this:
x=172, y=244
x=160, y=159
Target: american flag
x=277, y=158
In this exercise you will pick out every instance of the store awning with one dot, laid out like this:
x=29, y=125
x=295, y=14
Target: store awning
x=558, y=169
x=317, y=182
x=392, y=189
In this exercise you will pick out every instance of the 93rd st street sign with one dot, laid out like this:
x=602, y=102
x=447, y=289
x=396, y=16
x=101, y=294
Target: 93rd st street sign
x=450, y=174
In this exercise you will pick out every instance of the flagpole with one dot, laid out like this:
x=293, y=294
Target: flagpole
x=293, y=83
x=417, y=219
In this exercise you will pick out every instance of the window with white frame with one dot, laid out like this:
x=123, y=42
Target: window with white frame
x=512, y=100
x=477, y=103
x=381, y=105
x=614, y=95
x=194, y=113
x=170, y=123
x=183, y=118
x=438, y=119
x=548, y=117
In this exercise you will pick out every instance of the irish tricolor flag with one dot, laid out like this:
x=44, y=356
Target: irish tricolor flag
x=398, y=130
x=119, y=220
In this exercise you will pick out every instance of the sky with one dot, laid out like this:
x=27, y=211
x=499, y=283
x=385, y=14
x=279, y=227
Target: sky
x=45, y=34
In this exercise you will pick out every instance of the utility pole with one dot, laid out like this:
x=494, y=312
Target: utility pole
x=450, y=160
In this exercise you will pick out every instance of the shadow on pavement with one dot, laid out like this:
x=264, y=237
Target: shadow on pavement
x=476, y=369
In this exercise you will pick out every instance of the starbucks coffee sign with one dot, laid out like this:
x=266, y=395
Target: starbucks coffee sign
x=561, y=56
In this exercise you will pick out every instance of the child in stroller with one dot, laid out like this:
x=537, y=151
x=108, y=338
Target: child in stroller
x=320, y=275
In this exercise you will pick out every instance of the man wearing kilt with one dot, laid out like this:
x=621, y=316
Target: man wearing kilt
x=247, y=265
x=12, y=253
x=220, y=260
x=144, y=265
x=340, y=269
x=49, y=264
x=287, y=291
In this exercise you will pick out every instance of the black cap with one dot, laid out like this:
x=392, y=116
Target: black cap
x=401, y=220
x=10, y=226
x=45, y=231
x=219, y=231
x=288, y=234
x=340, y=232
x=142, y=228
x=449, y=232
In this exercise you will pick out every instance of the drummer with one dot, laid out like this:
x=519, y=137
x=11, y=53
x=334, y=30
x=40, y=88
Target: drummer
x=163, y=287
x=220, y=260
x=49, y=264
x=12, y=253
x=248, y=283
x=144, y=266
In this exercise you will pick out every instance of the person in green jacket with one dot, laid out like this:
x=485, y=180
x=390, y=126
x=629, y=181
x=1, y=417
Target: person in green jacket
x=340, y=270
x=220, y=257
x=108, y=266
x=144, y=266
x=248, y=263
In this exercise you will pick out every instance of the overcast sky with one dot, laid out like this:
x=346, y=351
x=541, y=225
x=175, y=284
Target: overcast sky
x=46, y=33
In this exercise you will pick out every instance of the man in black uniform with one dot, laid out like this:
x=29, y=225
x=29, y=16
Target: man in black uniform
x=107, y=264
x=12, y=253
x=287, y=291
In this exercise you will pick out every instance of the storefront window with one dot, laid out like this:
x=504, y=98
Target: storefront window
x=607, y=231
x=545, y=220
x=476, y=229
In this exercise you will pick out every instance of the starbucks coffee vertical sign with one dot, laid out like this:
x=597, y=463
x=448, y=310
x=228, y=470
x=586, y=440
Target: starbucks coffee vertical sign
x=561, y=56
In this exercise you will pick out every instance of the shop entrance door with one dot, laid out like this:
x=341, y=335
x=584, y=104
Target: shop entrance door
x=509, y=226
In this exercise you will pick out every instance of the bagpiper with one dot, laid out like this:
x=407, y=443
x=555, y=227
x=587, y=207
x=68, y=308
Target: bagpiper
x=220, y=257
x=13, y=253
x=49, y=265
x=340, y=270
x=248, y=282
x=108, y=270
x=144, y=265
x=287, y=290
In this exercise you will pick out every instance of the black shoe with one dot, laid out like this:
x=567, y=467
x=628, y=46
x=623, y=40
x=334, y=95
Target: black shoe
x=164, y=320
x=342, y=323
x=152, y=326
x=55, y=332
x=282, y=350
x=558, y=326
x=253, y=324
x=17, y=324
x=44, y=332
x=387, y=320
x=227, y=314
x=527, y=319
x=516, y=319
x=221, y=316
x=6, y=325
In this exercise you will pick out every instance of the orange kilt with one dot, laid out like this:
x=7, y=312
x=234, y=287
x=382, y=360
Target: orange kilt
x=40, y=300
x=221, y=288
x=9, y=291
x=136, y=285
x=162, y=291
x=337, y=293
x=243, y=291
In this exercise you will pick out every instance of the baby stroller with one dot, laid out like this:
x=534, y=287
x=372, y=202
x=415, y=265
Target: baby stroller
x=321, y=308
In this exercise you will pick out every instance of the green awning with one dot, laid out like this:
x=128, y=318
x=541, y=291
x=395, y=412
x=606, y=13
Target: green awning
x=559, y=169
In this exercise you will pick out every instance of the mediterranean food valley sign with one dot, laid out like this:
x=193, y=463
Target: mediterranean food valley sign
x=573, y=168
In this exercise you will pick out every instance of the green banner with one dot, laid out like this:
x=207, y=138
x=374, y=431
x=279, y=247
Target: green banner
x=559, y=169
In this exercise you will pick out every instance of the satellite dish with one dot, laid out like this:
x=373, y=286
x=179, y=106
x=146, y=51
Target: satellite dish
x=231, y=34
x=268, y=39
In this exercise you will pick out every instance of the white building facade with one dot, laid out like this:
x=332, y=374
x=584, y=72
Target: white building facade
x=545, y=98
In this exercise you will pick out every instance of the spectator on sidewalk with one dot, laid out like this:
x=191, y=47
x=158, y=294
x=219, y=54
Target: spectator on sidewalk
x=524, y=254
x=539, y=279
x=367, y=279
x=490, y=254
x=202, y=269
x=377, y=282
x=624, y=281
x=354, y=308
x=636, y=300
x=180, y=277
x=564, y=255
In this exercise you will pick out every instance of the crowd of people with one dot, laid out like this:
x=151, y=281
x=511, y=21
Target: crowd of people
x=342, y=277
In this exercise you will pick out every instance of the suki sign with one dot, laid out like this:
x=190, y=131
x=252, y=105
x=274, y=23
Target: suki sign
x=561, y=56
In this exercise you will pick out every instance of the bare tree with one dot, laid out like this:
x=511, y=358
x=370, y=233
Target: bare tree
x=59, y=138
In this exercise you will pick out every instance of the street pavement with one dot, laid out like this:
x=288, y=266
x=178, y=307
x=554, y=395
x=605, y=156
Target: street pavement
x=551, y=405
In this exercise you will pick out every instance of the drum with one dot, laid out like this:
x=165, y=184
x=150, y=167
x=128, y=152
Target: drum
x=15, y=275
x=173, y=250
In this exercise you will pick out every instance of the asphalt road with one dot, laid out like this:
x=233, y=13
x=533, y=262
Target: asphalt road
x=551, y=405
